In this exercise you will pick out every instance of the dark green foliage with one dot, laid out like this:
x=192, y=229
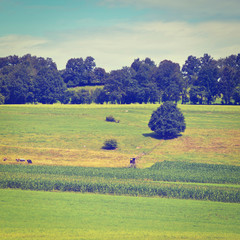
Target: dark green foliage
x=194, y=95
x=49, y=86
x=15, y=83
x=227, y=83
x=2, y=99
x=229, y=77
x=167, y=121
x=99, y=96
x=78, y=72
x=146, y=88
x=80, y=97
x=121, y=87
x=169, y=80
x=133, y=84
x=190, y=72
x=110, y=144
x=236, y=95
x=81, y=72
x=110, y=119
x=208, y=78
x=197, y=95
x=30, y=79
x=99, y=76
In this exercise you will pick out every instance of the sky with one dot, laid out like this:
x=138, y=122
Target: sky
x=115, y=32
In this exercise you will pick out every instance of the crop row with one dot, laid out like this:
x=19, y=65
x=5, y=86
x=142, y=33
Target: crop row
x=162, y=171
x=49, y=182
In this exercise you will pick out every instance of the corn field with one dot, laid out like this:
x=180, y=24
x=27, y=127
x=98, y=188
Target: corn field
x=160, y=180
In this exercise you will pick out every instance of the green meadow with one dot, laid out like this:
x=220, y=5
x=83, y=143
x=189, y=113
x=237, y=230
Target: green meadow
x=56, y=215
x=74, y=134
x=65, y=144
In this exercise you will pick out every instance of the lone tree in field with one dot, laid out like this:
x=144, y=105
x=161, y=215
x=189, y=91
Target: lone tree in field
x=167, y=121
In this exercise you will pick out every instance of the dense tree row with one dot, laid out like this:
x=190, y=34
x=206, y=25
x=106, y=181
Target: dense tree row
x=30, y=79
x=81, y=72
x=200, y=81
x=208, y=79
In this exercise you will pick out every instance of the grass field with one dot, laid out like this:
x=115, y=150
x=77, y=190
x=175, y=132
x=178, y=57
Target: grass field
x=74, y=134
x=56, y=215
x=88, y=88
x=66, y=136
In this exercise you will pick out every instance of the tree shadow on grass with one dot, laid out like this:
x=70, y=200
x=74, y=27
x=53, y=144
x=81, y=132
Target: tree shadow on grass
x=156, y=136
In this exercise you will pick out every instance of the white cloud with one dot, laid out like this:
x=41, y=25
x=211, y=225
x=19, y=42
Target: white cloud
x=118, y=46
x=190, y=7
x=18, y=44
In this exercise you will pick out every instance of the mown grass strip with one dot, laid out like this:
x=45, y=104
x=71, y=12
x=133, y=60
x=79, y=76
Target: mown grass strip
x=63, y=215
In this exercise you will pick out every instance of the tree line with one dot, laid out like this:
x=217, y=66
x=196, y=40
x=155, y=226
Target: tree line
x=31, y=79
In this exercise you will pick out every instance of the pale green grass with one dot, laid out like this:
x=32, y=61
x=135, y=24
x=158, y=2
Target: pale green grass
x=88, y=88
x=74, y=134
x=56, y=215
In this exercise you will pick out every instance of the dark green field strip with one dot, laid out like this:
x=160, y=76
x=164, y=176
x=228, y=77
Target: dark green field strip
x=51, y=182
x=162, y=171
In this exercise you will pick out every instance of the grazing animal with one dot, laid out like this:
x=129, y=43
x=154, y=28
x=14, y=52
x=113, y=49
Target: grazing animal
x=5, y=159
x=29, y=161
x=20, y=160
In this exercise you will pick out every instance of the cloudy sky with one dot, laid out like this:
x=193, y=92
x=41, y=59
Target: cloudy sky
x=115, y=32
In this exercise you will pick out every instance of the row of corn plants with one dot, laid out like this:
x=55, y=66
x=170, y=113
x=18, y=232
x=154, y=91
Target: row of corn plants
x=133, y=187
x=162, y=171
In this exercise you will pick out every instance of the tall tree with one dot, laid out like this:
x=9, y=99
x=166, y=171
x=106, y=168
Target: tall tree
x=121, y=87
x=236, y=95
x=99, y=76
x=79, y=72
x=15, y=84
x=229, y=76
x=99, y=96
x=190, y=72
x=208, y=78
x=9, y=61
x=49, y=86
x=169, y=80
x=148, y=91
x=23, y=78
x=73, y=74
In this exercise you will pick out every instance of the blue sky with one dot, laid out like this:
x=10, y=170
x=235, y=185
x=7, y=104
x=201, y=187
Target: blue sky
x=115, y=32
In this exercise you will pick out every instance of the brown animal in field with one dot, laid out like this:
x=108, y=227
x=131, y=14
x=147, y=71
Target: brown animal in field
x=5, y=159
x=29, y=161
